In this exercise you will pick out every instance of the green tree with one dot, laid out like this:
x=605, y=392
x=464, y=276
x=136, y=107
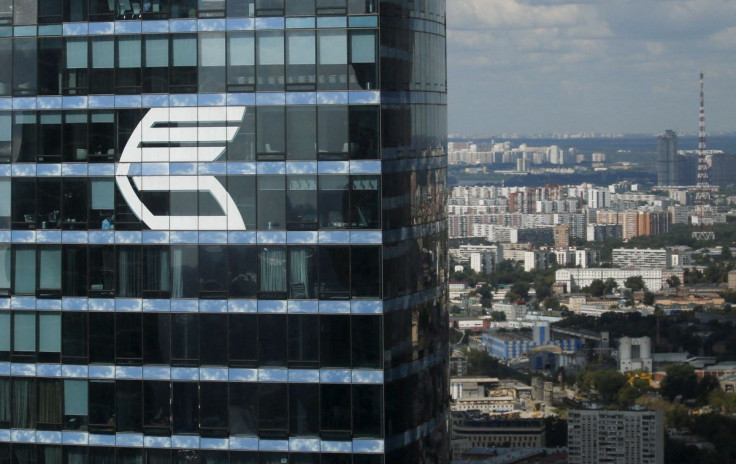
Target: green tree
x=518, y=291
x=499, y=316
x=680, y=380
x=648, y=298
x=608, y=383
x=596, y=288
x=635, y=283
x=673, y=281
x=551, y=302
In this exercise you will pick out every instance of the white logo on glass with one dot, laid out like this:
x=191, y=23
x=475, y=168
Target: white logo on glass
x=177, y=134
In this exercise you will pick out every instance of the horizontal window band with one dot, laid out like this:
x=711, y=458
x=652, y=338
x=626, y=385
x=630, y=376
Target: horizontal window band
x=201, y=374
x=126, y=27
x=339, y=97
x=135, y=440
x=21, y=303
x=402, y=439
x=151, y=237
x=215, y=168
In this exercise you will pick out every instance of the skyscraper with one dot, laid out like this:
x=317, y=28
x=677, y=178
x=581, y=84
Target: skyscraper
x=223, y=231
x=667, y=159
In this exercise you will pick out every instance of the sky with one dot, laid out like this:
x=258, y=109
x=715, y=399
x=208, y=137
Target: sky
x=610, y=66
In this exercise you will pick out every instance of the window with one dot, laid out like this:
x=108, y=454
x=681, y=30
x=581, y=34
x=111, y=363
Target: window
x=241, y=71
x=101, y=406
x=272, y=345
x=73, y=204
x=185, y=407
x=301, y=203
x=270, y=59
x=334, y=341
x=184, y=274
x=5, y=274
x=270, y=133
x=156, y=272
x=363, y=122
x=269, y=7
x=301, y=127
x=365, y=339
x=24, y=66
x=23, y=206
x=243, y=339
x=49, y=271
x=243, y=146
x=334, y=201
x=271, y=202
x=303, y=283
x=303, y=409
x=156, y=64
x=75, y=71
x=332, y=59
x=183, y=71
x=363, y=68
x=332, y=133
x=213, y=403
x=301, y=60
x=49, y=337
x=101, y=271
x=156, y=339
x=48, y=203
x=128, y=69
x=299, y=7
x=213, y=346
x=272, y=397
x=243, y=408
x=242, y=271
x=25, y=271
x=334, y=272
x=184, y=339
x=102, y=73
x=129, y=406
x=50, y=404
x=49, y=137
x=128, y=338
x=212, y=66
x=272, y=272
x=102, y=137
x=6, y=129
x=335, y=411
x=367, y=410
x=212, y=271
x=50, y=63
x=303, y=343
x=75, y=136
x=75, y=404
x=4, y=338
x=23, y=403
x=129, y=274
x=102, y=338
x=365, y=272
x=156, y=407
x=25, y=138
x=74, y=337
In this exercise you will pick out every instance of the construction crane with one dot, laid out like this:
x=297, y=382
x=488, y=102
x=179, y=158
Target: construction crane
x=703, y=204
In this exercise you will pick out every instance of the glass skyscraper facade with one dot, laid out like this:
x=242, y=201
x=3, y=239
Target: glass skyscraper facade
x=223, y=232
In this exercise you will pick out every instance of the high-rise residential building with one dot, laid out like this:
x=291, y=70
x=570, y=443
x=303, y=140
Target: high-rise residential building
x=667, y=158
x=223, y=231
x=625, y=437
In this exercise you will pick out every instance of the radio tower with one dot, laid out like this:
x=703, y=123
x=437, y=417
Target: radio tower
x=703, y=207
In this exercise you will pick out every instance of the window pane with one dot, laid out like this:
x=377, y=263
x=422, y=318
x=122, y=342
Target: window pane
x=271, y=122
x=213, y=405
x=24, y=332
x=156, y=339
x=101, y=338
x=303, y=282
x=49, y=333
x=185, y=407
x=103, y=194
x=272, y=276
x=157, y=51
x=50, y=402
x=213, y=270
x=76, y=53
x=24, y=403
x=5, y=255
x=242, y=271
x=156, y=401
x=102, y=404
x=334, y=272
x=184, y=338
x=272, y=397
x=367, y=410
x=213, y=346
x=334, y=341
x=184, y=275
x=301, y=204
x=212, y=50
x=271, y=202
x=4, y=331
x=129, y=271
x=49, y=268
x=333, y=47
x=243, y=411
x=270, y=48
x=303, y=340
x=304, y=409
x=129, y=405
x=366, y=341
x=74, y=336
x=332, y=136
x=301, y=125
x=75, y=398
x=25, y=271
x=333, y=201
x=366, y=272
x=129, y=52
x=301, y=47
x=128, y=338
x=272, y=339
x=184, y=51
x=243, y=337
x=335, y=404
x=103, y=53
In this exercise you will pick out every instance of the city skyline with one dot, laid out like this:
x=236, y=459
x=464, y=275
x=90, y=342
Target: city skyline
x=527, y=66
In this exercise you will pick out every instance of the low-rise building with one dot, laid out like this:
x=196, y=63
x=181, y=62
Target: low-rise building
x=636, y=257
x=472, y=430
x=654, y=279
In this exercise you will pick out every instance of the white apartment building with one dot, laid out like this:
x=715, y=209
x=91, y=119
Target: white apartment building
x=599, y=198
x=653, y=258
x=654, y=279
x=621, y=437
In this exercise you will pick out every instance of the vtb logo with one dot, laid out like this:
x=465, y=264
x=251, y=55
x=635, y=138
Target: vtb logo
x=180, y=134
